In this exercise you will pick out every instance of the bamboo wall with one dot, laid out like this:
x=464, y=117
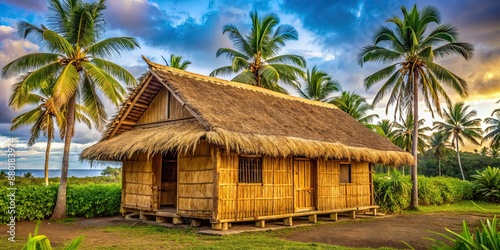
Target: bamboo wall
x=335, y=195
x=196, y=182
x=164, y=107
x=137, y=182
x=247, y=200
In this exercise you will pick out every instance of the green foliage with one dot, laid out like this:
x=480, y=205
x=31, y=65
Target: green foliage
x=37, y=202
x=392, y=192
x=485, y=237
x=486, y=184
x=41, y=242
x=471, y=162
x=113, y=172
x=93, y=200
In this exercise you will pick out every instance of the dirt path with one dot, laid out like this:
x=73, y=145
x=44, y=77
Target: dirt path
x=387, y=231
x=384, y=231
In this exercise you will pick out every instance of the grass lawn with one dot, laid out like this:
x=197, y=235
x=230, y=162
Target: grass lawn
x=126, y=236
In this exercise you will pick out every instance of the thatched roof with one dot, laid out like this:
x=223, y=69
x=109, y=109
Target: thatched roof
x=246, y=119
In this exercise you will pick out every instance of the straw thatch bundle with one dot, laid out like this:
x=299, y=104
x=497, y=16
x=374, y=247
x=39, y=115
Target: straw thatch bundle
x=249, y=119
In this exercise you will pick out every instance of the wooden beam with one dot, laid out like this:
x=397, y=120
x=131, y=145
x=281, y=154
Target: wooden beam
x=130, y=107
x=163, y=122
x=172, y=92
x=139, y=105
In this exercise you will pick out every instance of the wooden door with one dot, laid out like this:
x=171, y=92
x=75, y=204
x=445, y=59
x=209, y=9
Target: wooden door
x=169, y=180
x=304, y=184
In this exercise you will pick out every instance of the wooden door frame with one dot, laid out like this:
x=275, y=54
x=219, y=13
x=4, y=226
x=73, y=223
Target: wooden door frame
x=314, y=173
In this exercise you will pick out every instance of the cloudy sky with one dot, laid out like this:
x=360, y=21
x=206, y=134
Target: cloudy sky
x=331, y=33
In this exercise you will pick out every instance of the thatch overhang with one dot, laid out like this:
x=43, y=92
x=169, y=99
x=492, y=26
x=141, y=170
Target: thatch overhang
x=242, y=118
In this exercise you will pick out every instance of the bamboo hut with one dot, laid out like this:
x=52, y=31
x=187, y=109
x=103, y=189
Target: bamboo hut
x=203, y=148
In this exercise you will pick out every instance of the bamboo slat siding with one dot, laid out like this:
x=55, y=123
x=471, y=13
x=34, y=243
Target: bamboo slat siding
x=137, y=182
x=334, y=195
x=247, y=200
x=195, y=183
x=163, y=107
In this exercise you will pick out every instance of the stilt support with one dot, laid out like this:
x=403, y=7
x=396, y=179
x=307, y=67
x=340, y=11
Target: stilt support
x=260, y=223
x=334, y=216
x=177, y=220
x=313, y=218
x=288, y=221
x=352, y=214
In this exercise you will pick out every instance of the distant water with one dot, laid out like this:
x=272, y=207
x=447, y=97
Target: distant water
x=57, y=173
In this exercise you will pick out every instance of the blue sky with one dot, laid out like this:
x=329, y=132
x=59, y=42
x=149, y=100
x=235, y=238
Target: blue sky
x=331, y=33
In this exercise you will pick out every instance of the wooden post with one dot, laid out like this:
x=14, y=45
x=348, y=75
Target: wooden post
x=352, y=214
x=225, y=226
x=217, y=226
x=313, y=218
x=141, y=215
x=160, y=219
x=177, y=220
x=260, y=223
x=288, y=221
x=374, y=212
x=334, y=216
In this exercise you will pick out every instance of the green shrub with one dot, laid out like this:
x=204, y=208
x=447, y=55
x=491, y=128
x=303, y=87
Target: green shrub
x=41, y=242
x=485, y=237
x=486, y=184
x=393, y=192
x=34, y=202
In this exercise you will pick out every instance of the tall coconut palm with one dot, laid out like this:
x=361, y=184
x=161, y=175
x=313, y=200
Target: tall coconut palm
x=403, y=134
x=319, y=86
x=439, y=147
x=493, y=131
x=459, y=123
x=411, y=49
x=43, y=118
x=77, y=59
x=484, y=151
x=385, y=128
x=354, y=105
x=255, y=57
x=176, y=62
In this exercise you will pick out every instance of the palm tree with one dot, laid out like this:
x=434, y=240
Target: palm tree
x=319, y=86
x=494, y=152
x=176, y=62
x=484, y=151
x=42, y=118
x=412, y=51
x=385, y=128
x=460, y=124
x=439, y=147
x=493, y=131
x=355, y=106
x=255, y=57
x=78, y=61
x=403, y=135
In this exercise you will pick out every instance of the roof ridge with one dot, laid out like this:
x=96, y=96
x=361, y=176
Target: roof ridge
x=215, y=80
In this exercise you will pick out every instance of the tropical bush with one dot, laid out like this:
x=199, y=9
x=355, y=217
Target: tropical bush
x=34, y=202
x=486, y=236
x=486, y=184
x=392, y=192
x=41, y=242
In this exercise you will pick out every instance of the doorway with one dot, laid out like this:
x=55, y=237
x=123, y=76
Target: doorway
x=304, y=184
x=168, y=194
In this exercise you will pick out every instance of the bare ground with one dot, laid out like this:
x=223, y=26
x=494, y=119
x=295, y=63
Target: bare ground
x=384, y=231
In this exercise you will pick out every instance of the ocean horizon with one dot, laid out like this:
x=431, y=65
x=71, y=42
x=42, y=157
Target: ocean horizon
x=57, y=172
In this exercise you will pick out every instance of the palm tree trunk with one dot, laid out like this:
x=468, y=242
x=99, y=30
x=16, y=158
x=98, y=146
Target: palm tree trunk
x=459, y=162
x=60, y=208
x=414, y=148
x=47, y=152
x=439, y=166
